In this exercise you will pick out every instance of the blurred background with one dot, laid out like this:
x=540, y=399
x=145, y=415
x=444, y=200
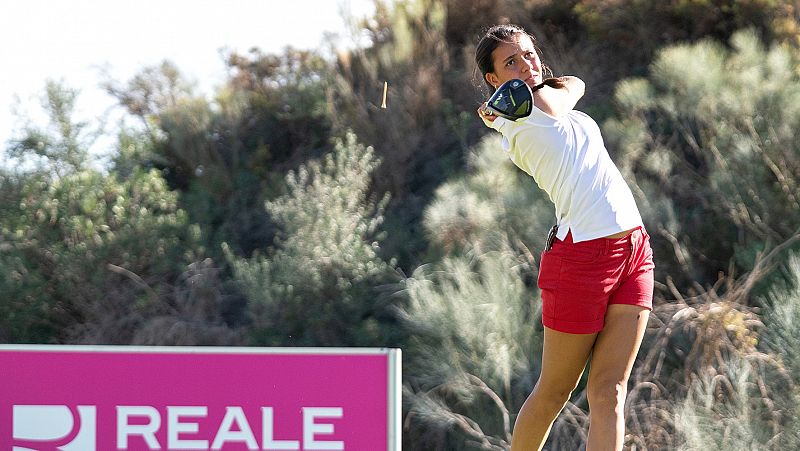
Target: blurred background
x=256, y=194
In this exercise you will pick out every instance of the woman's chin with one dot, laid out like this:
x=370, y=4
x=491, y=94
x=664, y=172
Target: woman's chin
x=533, y=81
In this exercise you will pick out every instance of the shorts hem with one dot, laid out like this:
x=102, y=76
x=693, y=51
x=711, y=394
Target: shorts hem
x=648, y=304
x=572, y=327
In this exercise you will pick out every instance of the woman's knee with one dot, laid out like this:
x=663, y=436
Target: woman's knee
x=608, y=395
x=554, y=393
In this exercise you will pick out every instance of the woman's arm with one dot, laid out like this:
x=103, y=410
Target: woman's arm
x=551, y=100
x=559, y=101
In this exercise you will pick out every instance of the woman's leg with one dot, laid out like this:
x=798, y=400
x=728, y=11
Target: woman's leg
x=563, y=360
x=612, y=361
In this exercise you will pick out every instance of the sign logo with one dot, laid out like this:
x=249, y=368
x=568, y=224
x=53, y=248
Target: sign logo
x=54, y=427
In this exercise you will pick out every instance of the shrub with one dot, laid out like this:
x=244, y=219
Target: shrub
x=317, y=287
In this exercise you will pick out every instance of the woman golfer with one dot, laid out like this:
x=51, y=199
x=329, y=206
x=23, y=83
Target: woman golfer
x=596, y=273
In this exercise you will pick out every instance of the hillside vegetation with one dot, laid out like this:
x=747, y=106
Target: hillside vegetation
x=289, y=209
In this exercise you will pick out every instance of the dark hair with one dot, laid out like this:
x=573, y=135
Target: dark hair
x=492, y=39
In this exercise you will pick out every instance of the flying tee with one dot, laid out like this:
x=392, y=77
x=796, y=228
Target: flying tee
x=567, y=158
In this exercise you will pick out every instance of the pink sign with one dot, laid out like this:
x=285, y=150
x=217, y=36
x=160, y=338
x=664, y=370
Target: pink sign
x=74, y=398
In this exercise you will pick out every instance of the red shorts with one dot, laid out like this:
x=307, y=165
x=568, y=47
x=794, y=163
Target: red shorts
x=579, y=280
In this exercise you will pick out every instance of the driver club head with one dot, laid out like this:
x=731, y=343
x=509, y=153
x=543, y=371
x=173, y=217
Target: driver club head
x=512, y=100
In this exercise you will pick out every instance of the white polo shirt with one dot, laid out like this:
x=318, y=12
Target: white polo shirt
x=567, y=158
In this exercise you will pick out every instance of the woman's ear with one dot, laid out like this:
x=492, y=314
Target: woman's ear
x=492, y=79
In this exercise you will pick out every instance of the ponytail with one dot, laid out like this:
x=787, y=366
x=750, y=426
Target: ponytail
x=553, y=82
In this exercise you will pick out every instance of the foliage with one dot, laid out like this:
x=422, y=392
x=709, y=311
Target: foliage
x=319, y=285
x=62, y=146
x=783, y=314
x=724, y=413
x=739, y=389
x=227, y=156
x=713, y=152
x=86, y=256
x=634, y=30
x=470, y=362
x=493, y=203
x=421, y=134
x=76, y=246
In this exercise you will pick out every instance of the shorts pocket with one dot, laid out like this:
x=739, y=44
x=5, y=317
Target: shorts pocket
x=549, y=271
x=549, y=281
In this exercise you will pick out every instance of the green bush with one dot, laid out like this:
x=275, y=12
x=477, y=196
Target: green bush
x=708, y=142
x=472, y=355
x=75, y=246
x=492, y=204
x=319, y=285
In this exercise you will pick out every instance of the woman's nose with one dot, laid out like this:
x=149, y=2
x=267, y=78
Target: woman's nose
x=530, y=65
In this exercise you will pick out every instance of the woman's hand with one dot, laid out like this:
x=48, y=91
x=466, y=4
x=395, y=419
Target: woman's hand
x=486, y=115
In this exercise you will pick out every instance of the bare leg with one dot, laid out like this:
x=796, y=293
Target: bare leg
x=563, y=360
x=612, y=361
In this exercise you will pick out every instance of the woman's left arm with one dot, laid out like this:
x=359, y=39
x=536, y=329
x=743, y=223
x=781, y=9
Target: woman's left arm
x=560, y=101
